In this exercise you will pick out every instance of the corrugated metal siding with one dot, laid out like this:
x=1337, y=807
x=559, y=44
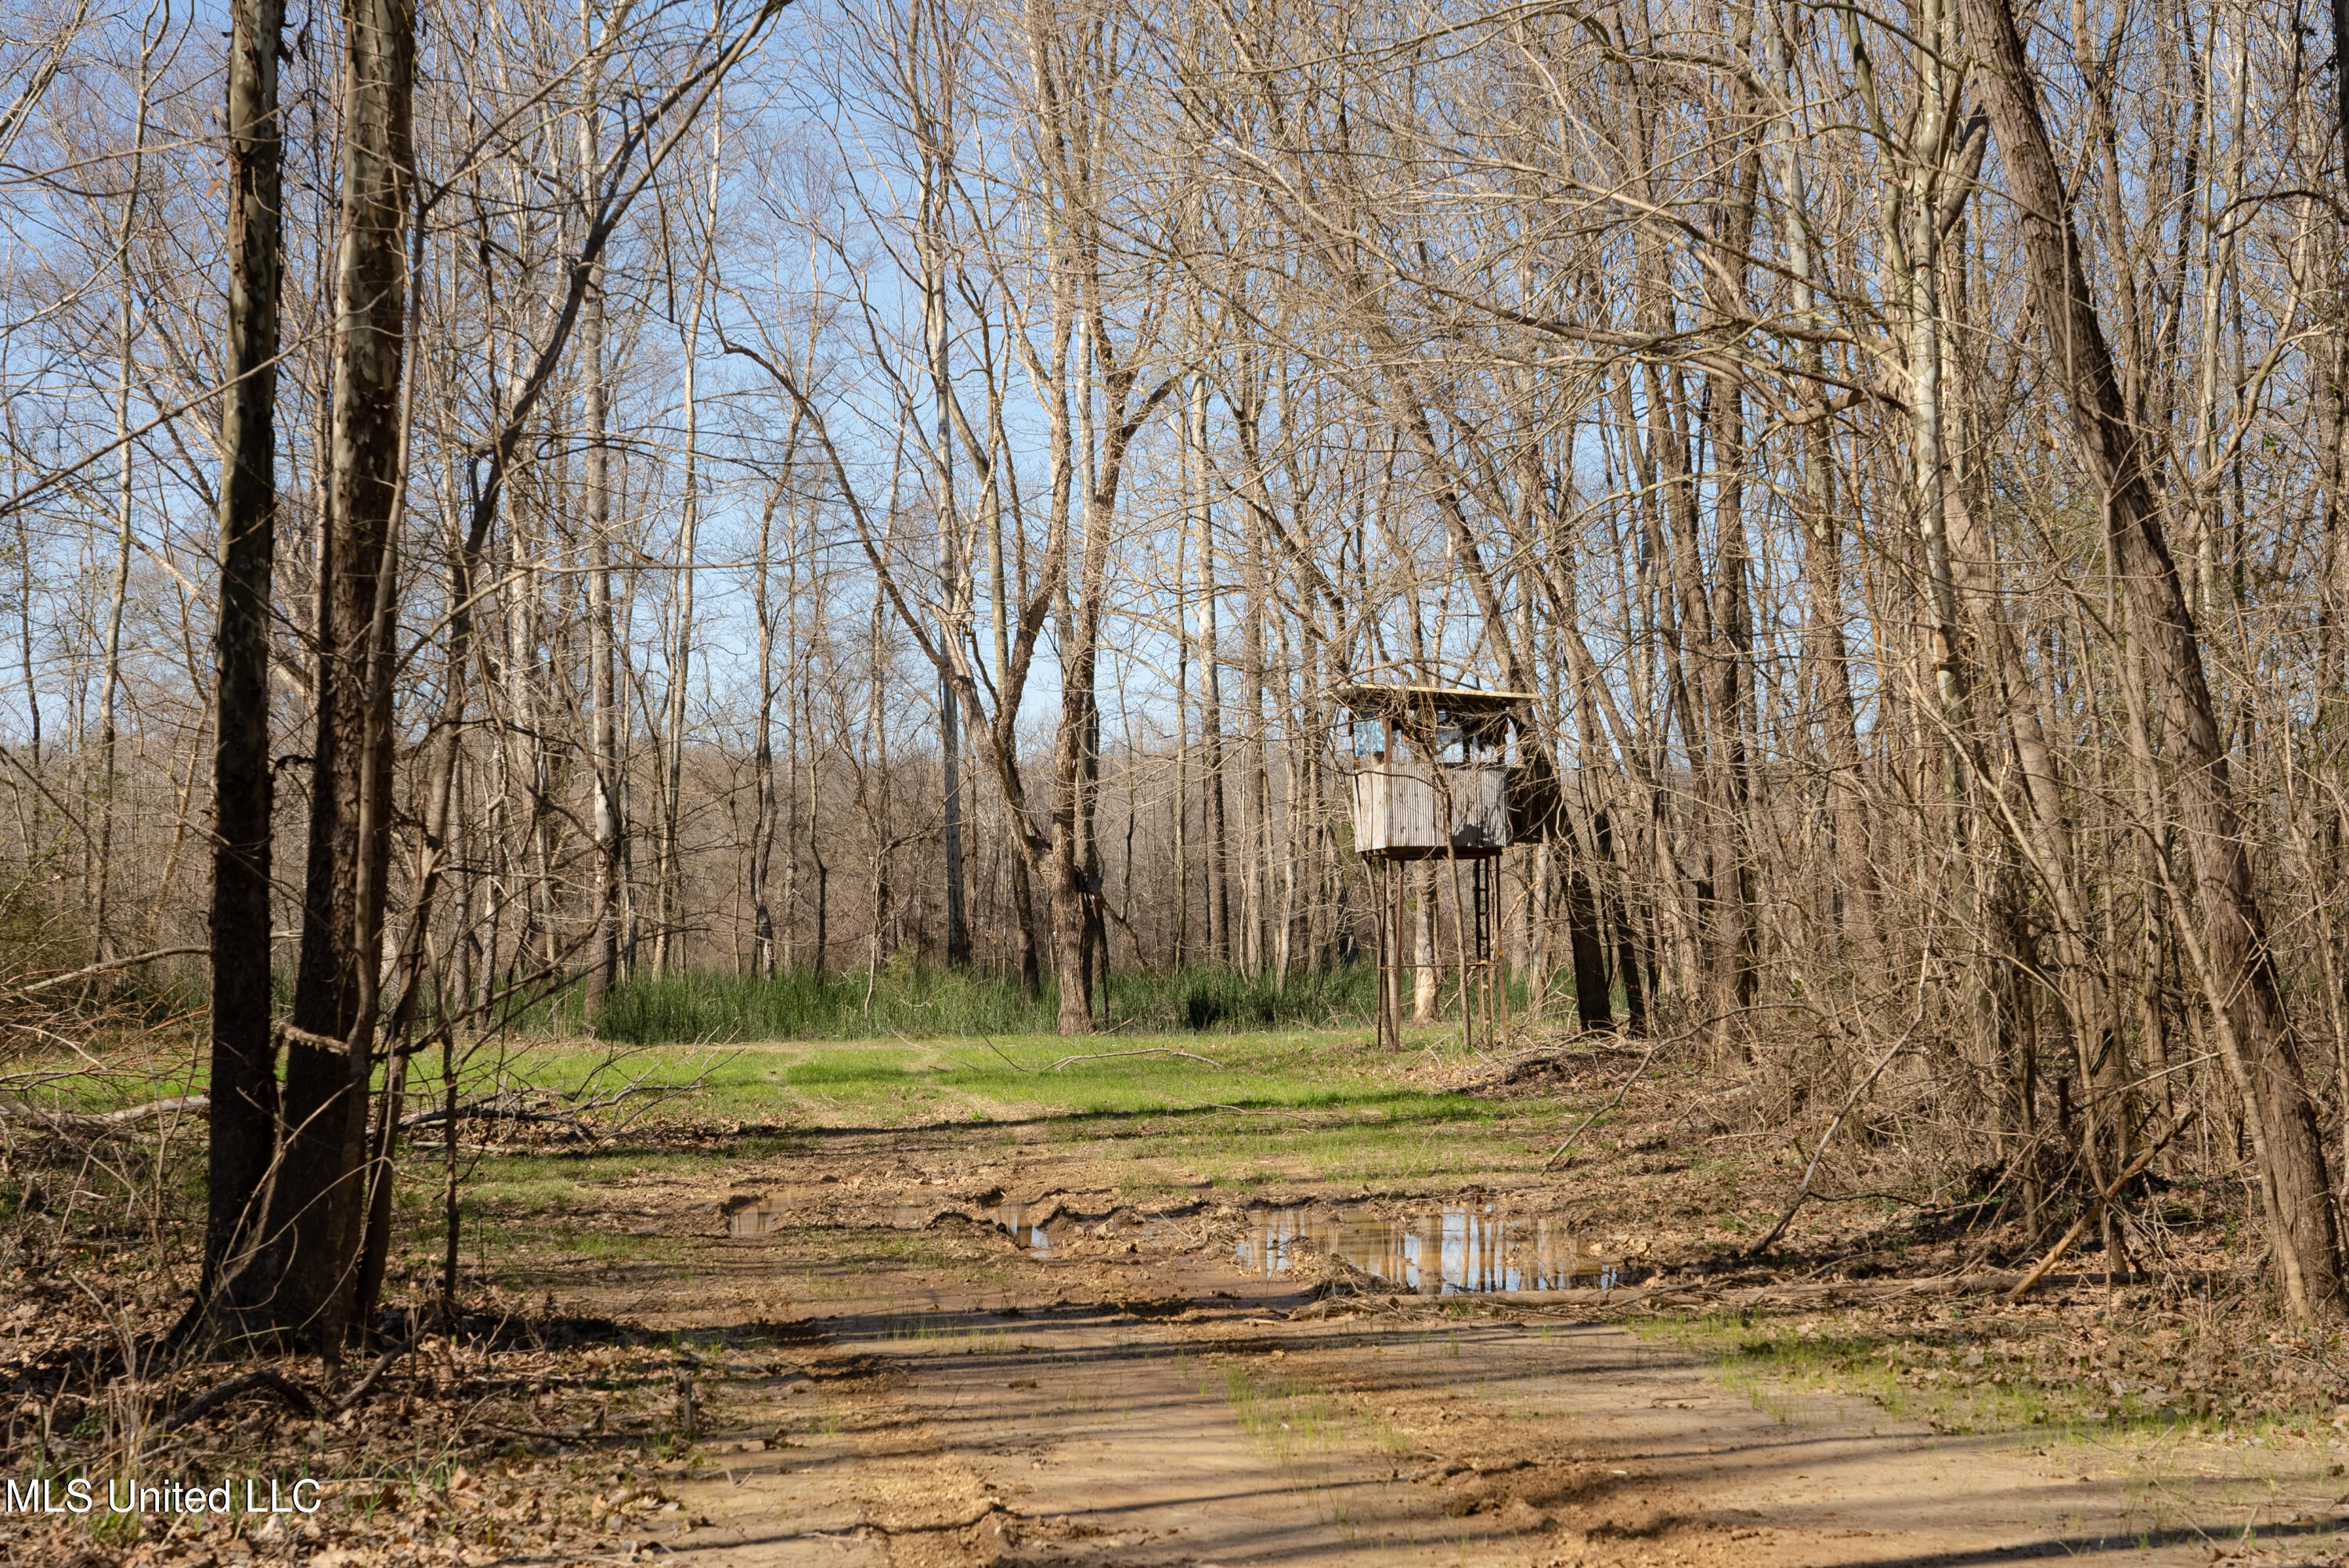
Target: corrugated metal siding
x=1399, y=810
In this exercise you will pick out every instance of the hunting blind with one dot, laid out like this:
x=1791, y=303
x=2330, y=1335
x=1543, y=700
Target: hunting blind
x=1433, y=779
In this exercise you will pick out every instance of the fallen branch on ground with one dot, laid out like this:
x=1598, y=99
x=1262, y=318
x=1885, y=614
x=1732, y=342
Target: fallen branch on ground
x=366, y=1385
x=490, y=1110
x=1311, y=1118
x=1688, y=1296
x=511, y=1105
x=92, y=971
x=1812, y=1170
x=1559, y=1152
x=287, y=1391
x=97, y=1123
x=1152, y=1051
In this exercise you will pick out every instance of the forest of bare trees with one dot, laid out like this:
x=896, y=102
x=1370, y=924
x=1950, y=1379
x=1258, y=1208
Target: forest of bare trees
x=515, y=501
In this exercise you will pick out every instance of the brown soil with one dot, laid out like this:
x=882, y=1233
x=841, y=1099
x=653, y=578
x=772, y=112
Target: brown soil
x=946, y=1397
x=887, y=1375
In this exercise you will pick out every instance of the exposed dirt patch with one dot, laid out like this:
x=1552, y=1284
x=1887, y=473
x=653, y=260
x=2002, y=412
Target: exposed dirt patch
x=1009, y=1342
x=1124, y=1394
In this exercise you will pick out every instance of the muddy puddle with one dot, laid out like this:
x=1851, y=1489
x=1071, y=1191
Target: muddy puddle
x=1454, y=1249
x=1457, y=1249
x=1029, y=1224
x=750, y=1218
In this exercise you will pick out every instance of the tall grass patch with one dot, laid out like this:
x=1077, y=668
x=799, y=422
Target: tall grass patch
x=918, y=1002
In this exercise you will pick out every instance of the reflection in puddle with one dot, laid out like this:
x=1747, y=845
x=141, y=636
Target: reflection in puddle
x=1014, y=1218
x=750, y=1217
x=1454, y=1250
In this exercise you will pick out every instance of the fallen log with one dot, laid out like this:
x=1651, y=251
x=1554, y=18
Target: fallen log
x=1589, y=1295
x=366, y=1385
x=91, y=972
x=98, y=1123
x=490, y=1110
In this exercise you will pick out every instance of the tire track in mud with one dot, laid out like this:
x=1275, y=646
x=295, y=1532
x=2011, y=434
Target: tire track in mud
x=1129, y=1398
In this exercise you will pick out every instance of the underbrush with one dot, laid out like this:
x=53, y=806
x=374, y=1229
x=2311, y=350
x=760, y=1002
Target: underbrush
x=912, y=1001
x=434, y=1442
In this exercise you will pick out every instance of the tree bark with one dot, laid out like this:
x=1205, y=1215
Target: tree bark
x=1218, y=898
x=603, y=677
x=314, y=1211
x=243, y=1052
x=1593, y=1006
x=762, y=754
x=1426, y=975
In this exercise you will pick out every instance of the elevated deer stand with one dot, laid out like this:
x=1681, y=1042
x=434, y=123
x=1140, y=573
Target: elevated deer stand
x=1431, y=781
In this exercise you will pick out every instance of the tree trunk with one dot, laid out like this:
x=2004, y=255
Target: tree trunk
x=1593, y=1006
x=314, y=1211
x=1631, y=965
x=1211, y=706
x=603, y=681
x=1023, y=907
x=125, y=478
x=762, y=754
x=1178, y=849
x=953, y=575
x=1065, y=864
x=243, y=1051
x=1426, y=975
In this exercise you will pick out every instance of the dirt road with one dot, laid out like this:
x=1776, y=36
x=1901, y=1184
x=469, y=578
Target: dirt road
x=893, y=1365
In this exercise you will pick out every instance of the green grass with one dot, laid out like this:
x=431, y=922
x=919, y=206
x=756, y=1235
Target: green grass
x=1295, y=1104
x=1288, y=1418
x=964, y=1011
x=1260, y=1110
x=1267, y=1113
x=916, y=1002
x=618, y=1246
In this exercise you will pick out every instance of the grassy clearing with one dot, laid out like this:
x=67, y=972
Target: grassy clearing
x=161, y=1051
x=860, y=1079
x=1264, y=1113
x=1317, y=1105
